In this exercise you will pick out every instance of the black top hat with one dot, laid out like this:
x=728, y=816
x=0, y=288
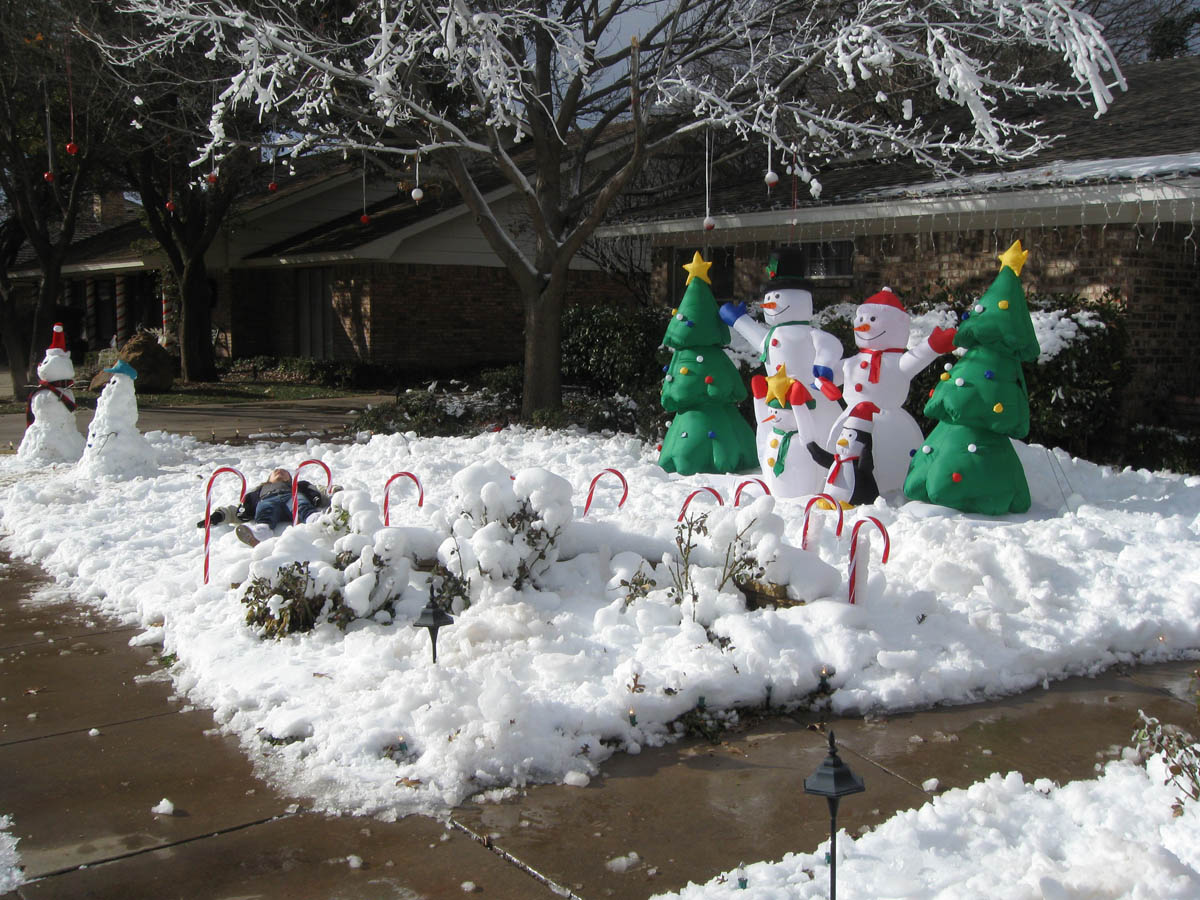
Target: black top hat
x=787, y=268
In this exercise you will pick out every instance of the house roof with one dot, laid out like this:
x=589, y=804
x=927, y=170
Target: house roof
x=1147, y=132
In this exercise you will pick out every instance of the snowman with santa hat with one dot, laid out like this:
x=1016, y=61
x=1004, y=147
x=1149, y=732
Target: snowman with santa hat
x=51, y=434
x=794, y=400
x=880, y=374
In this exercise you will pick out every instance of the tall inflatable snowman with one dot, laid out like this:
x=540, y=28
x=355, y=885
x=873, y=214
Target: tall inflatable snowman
x=796, y=358
x=51, y=434
x=115, y=448
x=880, y=373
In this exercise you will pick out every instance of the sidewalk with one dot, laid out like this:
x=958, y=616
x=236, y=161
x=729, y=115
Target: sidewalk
x=92, y=738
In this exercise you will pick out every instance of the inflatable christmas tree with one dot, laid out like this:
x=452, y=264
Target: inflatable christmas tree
x=702, y=387
x=968, y=461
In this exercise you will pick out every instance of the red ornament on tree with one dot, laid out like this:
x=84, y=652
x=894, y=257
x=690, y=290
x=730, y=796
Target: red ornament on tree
x=47, y=177
x=212, y=177
x=365, y=219
x=72, y=148
x=169, y=206
x=272, y=187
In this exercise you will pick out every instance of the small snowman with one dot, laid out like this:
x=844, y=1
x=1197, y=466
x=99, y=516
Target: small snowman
x=115, y=448
x=792, y=353
x=850, y=478
x=880, y=373
x=51, y=434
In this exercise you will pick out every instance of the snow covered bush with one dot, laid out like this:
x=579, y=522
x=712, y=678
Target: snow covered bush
x=290, y=600
x=1180, y=753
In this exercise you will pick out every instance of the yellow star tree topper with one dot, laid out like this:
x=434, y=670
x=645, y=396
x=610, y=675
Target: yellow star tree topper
x=697, y=268
x=1014, y=257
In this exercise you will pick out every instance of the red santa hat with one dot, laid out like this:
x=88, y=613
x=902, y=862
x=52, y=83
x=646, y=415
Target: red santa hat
x=861, y=415
x=59, y=340
x=885, y=298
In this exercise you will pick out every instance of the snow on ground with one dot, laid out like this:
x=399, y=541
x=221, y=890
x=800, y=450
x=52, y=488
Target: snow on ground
x=1004, y=839
x=10, y=859
x=535, y=679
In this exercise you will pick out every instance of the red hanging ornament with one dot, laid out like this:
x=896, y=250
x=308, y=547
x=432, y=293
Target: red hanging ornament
x=169, y=206
x=48, y=177
x=212, y=177
x=272, y=187
x=72, y=148
x=365, y=219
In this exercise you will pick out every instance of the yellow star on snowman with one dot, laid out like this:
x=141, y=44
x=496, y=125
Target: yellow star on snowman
x=778, y=386
x=697, y=268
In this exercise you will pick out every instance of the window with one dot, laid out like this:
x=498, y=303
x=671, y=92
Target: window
x=830, y=259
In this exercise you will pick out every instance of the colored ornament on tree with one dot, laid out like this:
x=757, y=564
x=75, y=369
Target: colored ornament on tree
x=702, y=387
x=968, y=461
x=72, y=148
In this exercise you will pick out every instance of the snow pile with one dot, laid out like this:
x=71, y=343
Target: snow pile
x=10, y=859
x=1002, y=838
x=115, y=448
x=576, y=636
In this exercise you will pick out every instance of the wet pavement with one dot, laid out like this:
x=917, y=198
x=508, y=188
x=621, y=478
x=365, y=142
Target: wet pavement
x=92, y=737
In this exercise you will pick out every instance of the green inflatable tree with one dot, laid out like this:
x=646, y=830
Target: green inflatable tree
x=702, y=387
x=968, y=461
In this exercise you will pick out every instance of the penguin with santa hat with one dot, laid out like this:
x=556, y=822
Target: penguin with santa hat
x=51, y=434
x=880, y=373
x=850, y=479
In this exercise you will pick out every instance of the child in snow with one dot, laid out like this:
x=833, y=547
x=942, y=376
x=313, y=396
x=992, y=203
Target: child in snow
x=270, y=504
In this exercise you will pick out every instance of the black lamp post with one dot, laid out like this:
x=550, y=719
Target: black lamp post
x=833, y=780
x=433, y=617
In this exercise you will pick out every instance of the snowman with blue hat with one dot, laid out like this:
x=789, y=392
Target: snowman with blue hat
x=115, y=448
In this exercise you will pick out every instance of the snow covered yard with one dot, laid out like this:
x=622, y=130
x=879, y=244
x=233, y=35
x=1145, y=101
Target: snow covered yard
x=555, y=664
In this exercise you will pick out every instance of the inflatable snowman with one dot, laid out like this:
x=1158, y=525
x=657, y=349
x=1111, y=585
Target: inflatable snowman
x=794, y=355
x=51, y=434
x=115, y=448
x=880, y=373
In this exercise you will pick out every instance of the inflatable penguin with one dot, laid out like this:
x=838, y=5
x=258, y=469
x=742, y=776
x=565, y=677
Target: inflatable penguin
x=51, y=434
x=850, y=474
x=792, y=352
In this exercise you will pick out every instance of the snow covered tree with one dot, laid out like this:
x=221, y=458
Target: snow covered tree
x=968, y=461
x=703, y=387
x=560, y=104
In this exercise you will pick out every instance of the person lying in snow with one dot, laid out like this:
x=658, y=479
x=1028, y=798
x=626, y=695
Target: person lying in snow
x=270, y=504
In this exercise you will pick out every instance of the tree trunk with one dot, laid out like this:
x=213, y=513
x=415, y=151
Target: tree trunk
x=16, y=345
x=42, y=327
x=195, y=324
x=543, y=349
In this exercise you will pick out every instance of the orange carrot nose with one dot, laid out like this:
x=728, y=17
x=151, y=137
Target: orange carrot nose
x=862, y=327
x=769, y=305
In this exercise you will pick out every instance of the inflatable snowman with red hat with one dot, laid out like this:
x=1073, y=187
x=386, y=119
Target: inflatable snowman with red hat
x=880, y=373
x=794, y=399
x=51, y=434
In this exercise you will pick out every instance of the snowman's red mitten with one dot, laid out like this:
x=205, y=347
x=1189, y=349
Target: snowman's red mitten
x=798, y=395
x=758, y=386
x=942, y=339
x=829, y=389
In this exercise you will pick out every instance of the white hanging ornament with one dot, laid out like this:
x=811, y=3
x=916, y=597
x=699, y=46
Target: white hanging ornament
x=709, y=223
x=772, y=178
x=417, y=194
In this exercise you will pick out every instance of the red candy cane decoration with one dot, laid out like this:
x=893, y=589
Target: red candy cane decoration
x=208, y=509
x=592, y=489
x=887, y=546
x=807, y=510
x=737, y=497
x=387, y=493
x=688, y=501
x=296, y=482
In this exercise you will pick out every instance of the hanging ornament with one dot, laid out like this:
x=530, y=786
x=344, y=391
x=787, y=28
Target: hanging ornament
x=417, y=194
x=72, y=148
x=709, y=223
x=169, y=206
x=212, y=177
x=272, y=187
x=772, y=177
x=48, y=177
x=365, y=219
